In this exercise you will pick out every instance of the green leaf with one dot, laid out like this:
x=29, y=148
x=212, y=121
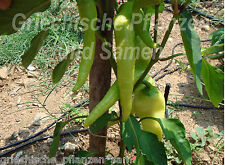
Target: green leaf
x=151, y=9
x=221, y=133
x=79, y=155
x=102, y=122
x=217, y=37
x=181, y=64
x=210, y=132
x=35, y=46
x=56, y=138
x=194, y=136
x=213, y=49
x=107, y=162
x=61, y=68
x=217, y=56
x=192, y=46
x=161, y=7
x=145, y=142
x=213, y=79
x=201, y=133
x=20, y=10
x=142, y=160
x=174, y=131
x=84, y=154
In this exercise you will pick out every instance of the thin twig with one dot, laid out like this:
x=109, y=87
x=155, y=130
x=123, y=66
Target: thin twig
x=156, y=28
x=50, y=93
x=152, y=62
x=171, y=57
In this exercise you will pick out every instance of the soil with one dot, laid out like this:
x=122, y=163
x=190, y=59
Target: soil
x=23, y=93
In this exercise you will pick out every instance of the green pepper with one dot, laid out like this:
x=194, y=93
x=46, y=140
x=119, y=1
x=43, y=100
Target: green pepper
x=113, y=93
x=108, y=100
x=151, y=81
x=143, y=56
x=125, y=37
x=143, y=32
x=88, y=12
x=149, y=102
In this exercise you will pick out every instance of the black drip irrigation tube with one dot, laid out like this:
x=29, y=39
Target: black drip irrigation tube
x=196, y=11
x=195, y=106
x=166, y=94
x=39, y=133
x=37, y=140
x=205, y=15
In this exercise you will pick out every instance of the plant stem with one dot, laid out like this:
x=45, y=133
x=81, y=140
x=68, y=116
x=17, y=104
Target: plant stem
x=170, y=57
x=175, y=9
x=186, y=3
x=156, y=23
x=152, y=62
x=122, y=149
x=100, y=78
x=184, y=6
x=156, y=28
x=147, y=84
x=166, y=36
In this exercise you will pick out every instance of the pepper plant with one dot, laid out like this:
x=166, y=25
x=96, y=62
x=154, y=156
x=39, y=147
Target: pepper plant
x=137, y=51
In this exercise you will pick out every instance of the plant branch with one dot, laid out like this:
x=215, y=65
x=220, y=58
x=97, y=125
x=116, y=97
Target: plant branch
x=184, y=6
x=153, y=61
x=122, y=148
x=186, y=3
x=175, y=9
x=170, y=57
x=147, y=84
x=165, y=38
x=156, y=23
x=100, y=77
x=156, y=28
